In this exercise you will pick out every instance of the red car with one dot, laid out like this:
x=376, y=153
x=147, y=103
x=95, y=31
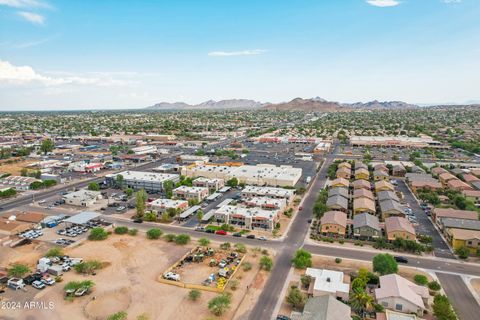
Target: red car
x=221, y=232
x=300, y=208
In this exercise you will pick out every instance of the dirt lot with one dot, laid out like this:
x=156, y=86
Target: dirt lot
x=14, y=168
x=128, y=283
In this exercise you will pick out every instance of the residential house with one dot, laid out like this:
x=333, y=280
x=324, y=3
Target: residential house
x=338, y=192
x=340, y=182
x=361, y=205
x=438, y=171
x=440, y=213
x=19, y=183
x=458, y=185
x=391, y=207
x=324, y=307
x=380, y=175
x=329, y=282
x=387, y=195
x=400, y=294
x=473, y=195
x=399, y=170
x=333, y=224
x=344, y=173
x=380, y=167
x=468, y=177
x=344, y=165
x=399, y=227
x=383, y=186
x=464, y=238
x=363, y=193
x=445, y=177
x=361, y=184
x=418, y=185
x=338, y=203
x=394, y=315
x=362, y=174
x=456, y=223
x=360, y=165
x=366, y=226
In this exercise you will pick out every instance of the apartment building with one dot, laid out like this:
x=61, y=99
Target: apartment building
x=247, y=217
x=149, y=181
x=190, y=193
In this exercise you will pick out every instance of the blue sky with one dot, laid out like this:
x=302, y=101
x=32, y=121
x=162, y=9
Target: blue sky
x=120, y=54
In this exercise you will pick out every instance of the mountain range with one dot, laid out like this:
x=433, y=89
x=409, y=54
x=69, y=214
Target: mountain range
x=316, y=104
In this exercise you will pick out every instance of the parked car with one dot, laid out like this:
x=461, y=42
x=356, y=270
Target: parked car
x=221, y=232
x=138, y=220
x=251, y=236
x=172, y=276
x=262, y=238
x=222, y=264
x=210, y=231
x=48, y=280
x=200, y=228
x=38, y=284
x=81, y=292
x=237, y=234
x=400, y=259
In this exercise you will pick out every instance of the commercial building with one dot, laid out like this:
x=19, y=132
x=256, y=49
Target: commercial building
x=149, y=181
x=395, y=141
x=270, y=192
x=212, y=184
x=82, y=198
x=187, y=158
x=162, y=205
x=145, y=150
x=190, y=193
x=261, y=175
x=248, y=218
x=18, y=182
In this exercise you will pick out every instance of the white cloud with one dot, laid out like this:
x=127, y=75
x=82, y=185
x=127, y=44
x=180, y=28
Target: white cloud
x=34, y=18
x=236, y=53
x=24, y=4
x=383, y=3
x=26, y=75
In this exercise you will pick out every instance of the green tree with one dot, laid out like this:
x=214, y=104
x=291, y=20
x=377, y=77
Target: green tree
x=462, y=252
x=154, y=233
x=204, y=242
x=128, y=192
x=232, y=182
x=220, y=304
x=119, y=180
x=266, y=263
x=302, y=259
x=140, y=199
x=240, y=247
x=93, y=186
x=420, y=279
x=384, y=263
x=168, y=188
x=442, y=309
x=54, y=252
x=296, y=298
x=18, y=270
x=47, y=146
x=194, y=294
x=225, y=246
x=121, y=315
x=434, y=285
x=121, y=230
x=88, y=267
x=199, y=214
x=182, y=239
x=98, y=234
x=361, y=302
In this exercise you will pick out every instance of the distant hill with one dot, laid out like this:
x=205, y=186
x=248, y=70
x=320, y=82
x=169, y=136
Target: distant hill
x=375, y=104
x=309, y=105
x=316, y=104
x=210, y=104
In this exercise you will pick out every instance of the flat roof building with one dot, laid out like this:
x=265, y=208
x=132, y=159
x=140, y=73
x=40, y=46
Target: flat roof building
x=150, y=181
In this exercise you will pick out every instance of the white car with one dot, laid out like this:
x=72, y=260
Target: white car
x=38, y=285
x=262, y=238
x=222, y=264
x=48, y=280
x=172, y=276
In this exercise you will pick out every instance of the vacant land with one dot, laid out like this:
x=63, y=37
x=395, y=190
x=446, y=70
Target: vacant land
x=128, y=283
x=13, y=167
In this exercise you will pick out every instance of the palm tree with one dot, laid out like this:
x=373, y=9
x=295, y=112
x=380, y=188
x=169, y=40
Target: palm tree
x=361, y=302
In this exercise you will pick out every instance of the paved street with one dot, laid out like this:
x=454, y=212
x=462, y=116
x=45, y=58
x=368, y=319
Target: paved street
x=425, y=226
x=462, y=299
